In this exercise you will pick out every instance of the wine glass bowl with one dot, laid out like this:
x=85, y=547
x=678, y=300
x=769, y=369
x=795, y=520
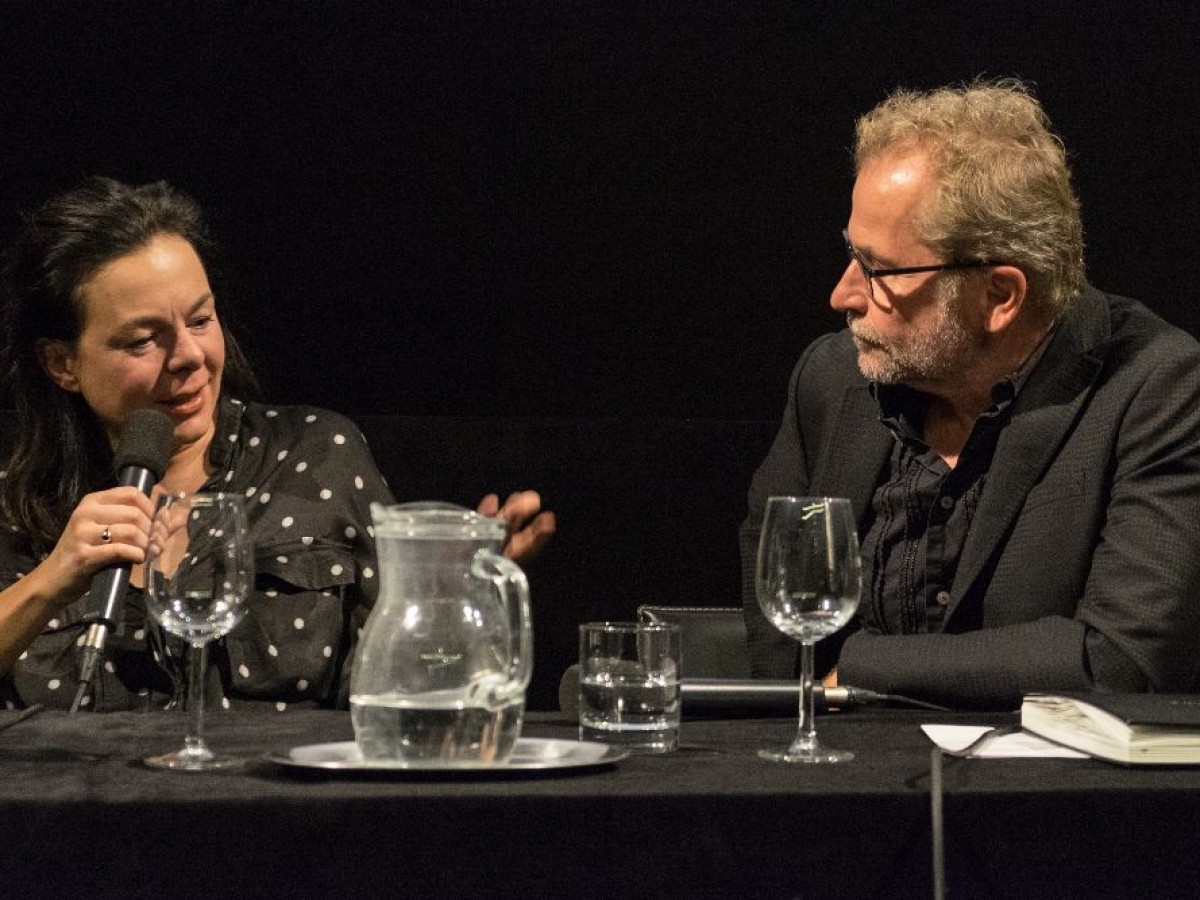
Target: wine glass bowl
x=808, y=579
x=199, y=573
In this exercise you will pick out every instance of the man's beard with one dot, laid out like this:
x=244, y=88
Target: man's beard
x=938, y=351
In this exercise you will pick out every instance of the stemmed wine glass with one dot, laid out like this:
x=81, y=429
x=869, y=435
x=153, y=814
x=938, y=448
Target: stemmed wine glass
x=199, y=572
x=808, y=579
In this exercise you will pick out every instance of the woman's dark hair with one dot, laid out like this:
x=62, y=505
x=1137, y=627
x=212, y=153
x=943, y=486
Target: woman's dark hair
x=59, y=449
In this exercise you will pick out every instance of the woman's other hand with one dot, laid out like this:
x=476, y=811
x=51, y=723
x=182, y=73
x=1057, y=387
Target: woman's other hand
x=530, y=527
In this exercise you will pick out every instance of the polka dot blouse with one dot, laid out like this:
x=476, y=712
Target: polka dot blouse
x=308, y=481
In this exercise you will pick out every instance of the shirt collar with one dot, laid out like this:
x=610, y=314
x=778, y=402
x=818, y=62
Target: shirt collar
x=229, y=420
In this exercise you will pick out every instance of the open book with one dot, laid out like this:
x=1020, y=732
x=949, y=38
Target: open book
x=1162, y=729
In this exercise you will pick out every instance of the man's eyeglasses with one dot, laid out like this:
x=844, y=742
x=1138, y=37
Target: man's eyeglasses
x=871, y=273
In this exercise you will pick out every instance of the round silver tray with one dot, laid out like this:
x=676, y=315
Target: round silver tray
x=531, y=755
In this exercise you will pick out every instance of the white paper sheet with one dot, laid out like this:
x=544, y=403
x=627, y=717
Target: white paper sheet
x=1018, y=744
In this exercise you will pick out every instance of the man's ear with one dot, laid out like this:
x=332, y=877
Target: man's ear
x=1006, y=288
x=58, y=361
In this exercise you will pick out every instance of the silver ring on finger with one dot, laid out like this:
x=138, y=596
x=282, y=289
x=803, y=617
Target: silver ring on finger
x=106, y=534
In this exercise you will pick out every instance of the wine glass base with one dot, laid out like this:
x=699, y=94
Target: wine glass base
x=810, y=755
x=192, y=761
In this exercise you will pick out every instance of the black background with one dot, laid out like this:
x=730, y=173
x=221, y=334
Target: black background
x=582, y=243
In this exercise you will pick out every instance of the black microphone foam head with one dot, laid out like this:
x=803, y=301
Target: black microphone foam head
x=146, y=442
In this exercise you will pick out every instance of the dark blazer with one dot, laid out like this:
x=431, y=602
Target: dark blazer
x=1082, y=567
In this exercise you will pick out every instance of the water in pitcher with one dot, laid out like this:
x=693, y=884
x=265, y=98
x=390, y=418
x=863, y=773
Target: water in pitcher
x=453, y=727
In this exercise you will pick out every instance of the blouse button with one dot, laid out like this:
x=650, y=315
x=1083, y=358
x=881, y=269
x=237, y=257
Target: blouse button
x=943, y=598
x=947, y=502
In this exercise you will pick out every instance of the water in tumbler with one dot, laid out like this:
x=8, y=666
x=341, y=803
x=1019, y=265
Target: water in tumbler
x=631, y=709
x=450, y=727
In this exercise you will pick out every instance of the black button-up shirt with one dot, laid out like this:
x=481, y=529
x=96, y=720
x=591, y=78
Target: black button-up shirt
x=921, y=513
x=922, y=510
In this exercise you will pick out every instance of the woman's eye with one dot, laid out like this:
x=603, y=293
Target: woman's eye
x=139, y=343
x=201, y=322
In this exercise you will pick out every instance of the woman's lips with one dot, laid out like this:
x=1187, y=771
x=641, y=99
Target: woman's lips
x=185, y=405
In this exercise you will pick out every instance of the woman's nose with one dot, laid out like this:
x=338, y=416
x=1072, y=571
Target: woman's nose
x=187, y=352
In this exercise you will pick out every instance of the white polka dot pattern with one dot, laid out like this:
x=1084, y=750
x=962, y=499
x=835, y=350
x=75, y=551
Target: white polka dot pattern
x=308, y=485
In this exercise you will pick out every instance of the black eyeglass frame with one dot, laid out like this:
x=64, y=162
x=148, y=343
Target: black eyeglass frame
x=873, y=273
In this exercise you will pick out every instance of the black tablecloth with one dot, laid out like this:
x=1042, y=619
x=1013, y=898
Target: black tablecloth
x=79, y=813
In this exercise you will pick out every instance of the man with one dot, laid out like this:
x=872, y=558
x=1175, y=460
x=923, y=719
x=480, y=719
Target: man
x=1021, y=450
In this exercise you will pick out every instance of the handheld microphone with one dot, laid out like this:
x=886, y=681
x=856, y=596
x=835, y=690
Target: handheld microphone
x=140, y=461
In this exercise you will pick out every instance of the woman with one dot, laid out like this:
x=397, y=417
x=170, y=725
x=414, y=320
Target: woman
x=108, y=309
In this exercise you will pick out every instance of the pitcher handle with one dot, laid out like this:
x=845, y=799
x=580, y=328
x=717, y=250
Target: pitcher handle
x=511, y=584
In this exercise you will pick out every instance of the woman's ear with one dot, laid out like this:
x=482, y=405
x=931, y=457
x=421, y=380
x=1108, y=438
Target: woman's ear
x=58, y=361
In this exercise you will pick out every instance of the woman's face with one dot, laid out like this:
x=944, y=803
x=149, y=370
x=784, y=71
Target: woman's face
x=150, y=339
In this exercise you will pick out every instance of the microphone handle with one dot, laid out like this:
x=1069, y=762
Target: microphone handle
x=107, y=592
x=109, y=585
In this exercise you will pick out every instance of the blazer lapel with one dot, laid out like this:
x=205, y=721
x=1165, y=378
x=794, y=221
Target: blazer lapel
x=1042, y=415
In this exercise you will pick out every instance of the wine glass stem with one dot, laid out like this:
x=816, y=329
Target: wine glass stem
x=807, y=735
x=197, y=665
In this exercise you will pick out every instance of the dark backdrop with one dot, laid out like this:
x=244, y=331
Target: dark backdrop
x=582, y=239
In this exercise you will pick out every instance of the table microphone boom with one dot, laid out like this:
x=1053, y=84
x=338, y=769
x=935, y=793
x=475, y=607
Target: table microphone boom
x=737, y=696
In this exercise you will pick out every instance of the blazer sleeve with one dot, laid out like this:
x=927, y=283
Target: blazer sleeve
x=785, y=471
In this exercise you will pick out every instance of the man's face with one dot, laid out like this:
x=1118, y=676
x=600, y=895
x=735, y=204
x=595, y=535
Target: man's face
x=914, y=328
